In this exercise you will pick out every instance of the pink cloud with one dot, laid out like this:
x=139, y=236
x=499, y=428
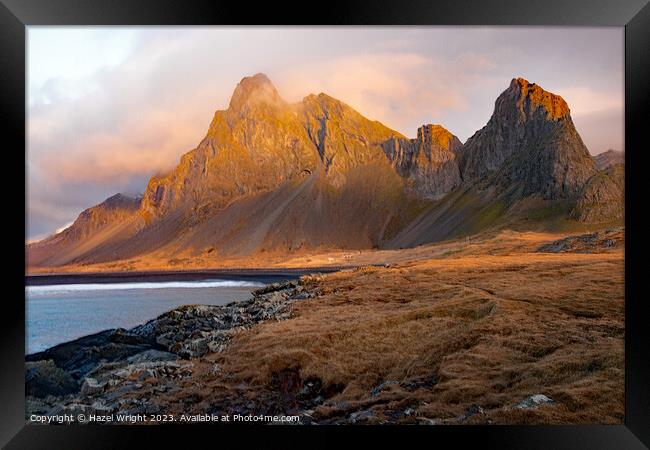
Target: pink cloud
x=94, y=135
x=399, y=89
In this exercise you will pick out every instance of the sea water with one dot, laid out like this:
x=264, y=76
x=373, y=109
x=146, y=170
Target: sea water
x=63, y=312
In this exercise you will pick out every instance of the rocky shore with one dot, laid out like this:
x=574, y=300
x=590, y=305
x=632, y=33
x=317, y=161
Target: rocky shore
x=598, y=241
x=147, y=369
x=524, y=330
x=109, y=372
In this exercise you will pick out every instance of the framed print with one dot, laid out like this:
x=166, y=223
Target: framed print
x=281, y=229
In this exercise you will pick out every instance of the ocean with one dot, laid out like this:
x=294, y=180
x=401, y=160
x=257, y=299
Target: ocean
x=58, y=313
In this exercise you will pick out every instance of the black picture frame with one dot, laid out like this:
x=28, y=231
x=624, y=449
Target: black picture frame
x=15, y=15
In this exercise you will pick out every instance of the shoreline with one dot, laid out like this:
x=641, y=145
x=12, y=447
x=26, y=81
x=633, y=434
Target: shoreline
x=266, y=275
x=521, y=329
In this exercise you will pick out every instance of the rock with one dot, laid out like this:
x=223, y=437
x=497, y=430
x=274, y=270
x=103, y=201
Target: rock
x=274, y=287
x=529, y=145
x=194, y=330
x=428, y=162
x=534, y=401
x=91, y=387
x=74, y=409
x=101, y=407
x=151, y=355
x=472, y=411
x=343, y=405
x=609, y=158
x=82, y=355
x=361, y=416
x=603, y=197
x=425, y=382
x=43, y=378
x=587, y=243
x=377, y=389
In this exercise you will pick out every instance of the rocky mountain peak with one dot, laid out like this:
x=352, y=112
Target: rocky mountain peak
x=531, y=142
x=530, y=97
x=117, y=204
x=328, y=107
x=343, y=137
x=428, y=162
x=254, y=90
x=91, y=221
x=438, y=136
x=121, y=201
x=273, y=176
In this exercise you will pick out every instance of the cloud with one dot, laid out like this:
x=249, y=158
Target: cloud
x=584, y=100
x=140, y=116
x=109, y=124
x=598, y=117
x=402, y=90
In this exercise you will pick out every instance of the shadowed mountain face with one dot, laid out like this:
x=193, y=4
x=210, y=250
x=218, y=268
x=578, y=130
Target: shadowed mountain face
x=609, y=158
x=529, y=142
x=527, y=167
x=602, y=197
x=270, y=176
x=428, y=163
x=112, y=220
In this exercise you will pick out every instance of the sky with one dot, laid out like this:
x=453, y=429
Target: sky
x=108, y=107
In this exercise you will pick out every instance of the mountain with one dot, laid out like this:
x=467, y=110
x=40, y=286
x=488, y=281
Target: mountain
x=109, y=220
x=271, y=177
x=609, y=158
x=254, y=145
x=527, y=165
x=260, y=142
x=529, y=143
x=603, y=197
x=429, y=162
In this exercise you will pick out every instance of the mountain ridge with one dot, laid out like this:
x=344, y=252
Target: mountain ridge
x=316, y=174
x=609, y=158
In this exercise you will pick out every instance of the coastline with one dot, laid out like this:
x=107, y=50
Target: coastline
x=523, y=329
x=265, y=275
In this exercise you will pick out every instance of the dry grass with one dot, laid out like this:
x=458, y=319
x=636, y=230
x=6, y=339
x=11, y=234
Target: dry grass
x=449, y=333
x=451, y=326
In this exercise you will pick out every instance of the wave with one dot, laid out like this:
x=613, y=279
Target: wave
x=63, y=288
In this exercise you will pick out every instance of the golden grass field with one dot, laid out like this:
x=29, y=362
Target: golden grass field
x=447, y=329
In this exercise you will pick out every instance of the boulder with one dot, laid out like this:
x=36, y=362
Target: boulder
x=91, y=386
x=535, y=401
x=82, y=355
x=43, y=378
